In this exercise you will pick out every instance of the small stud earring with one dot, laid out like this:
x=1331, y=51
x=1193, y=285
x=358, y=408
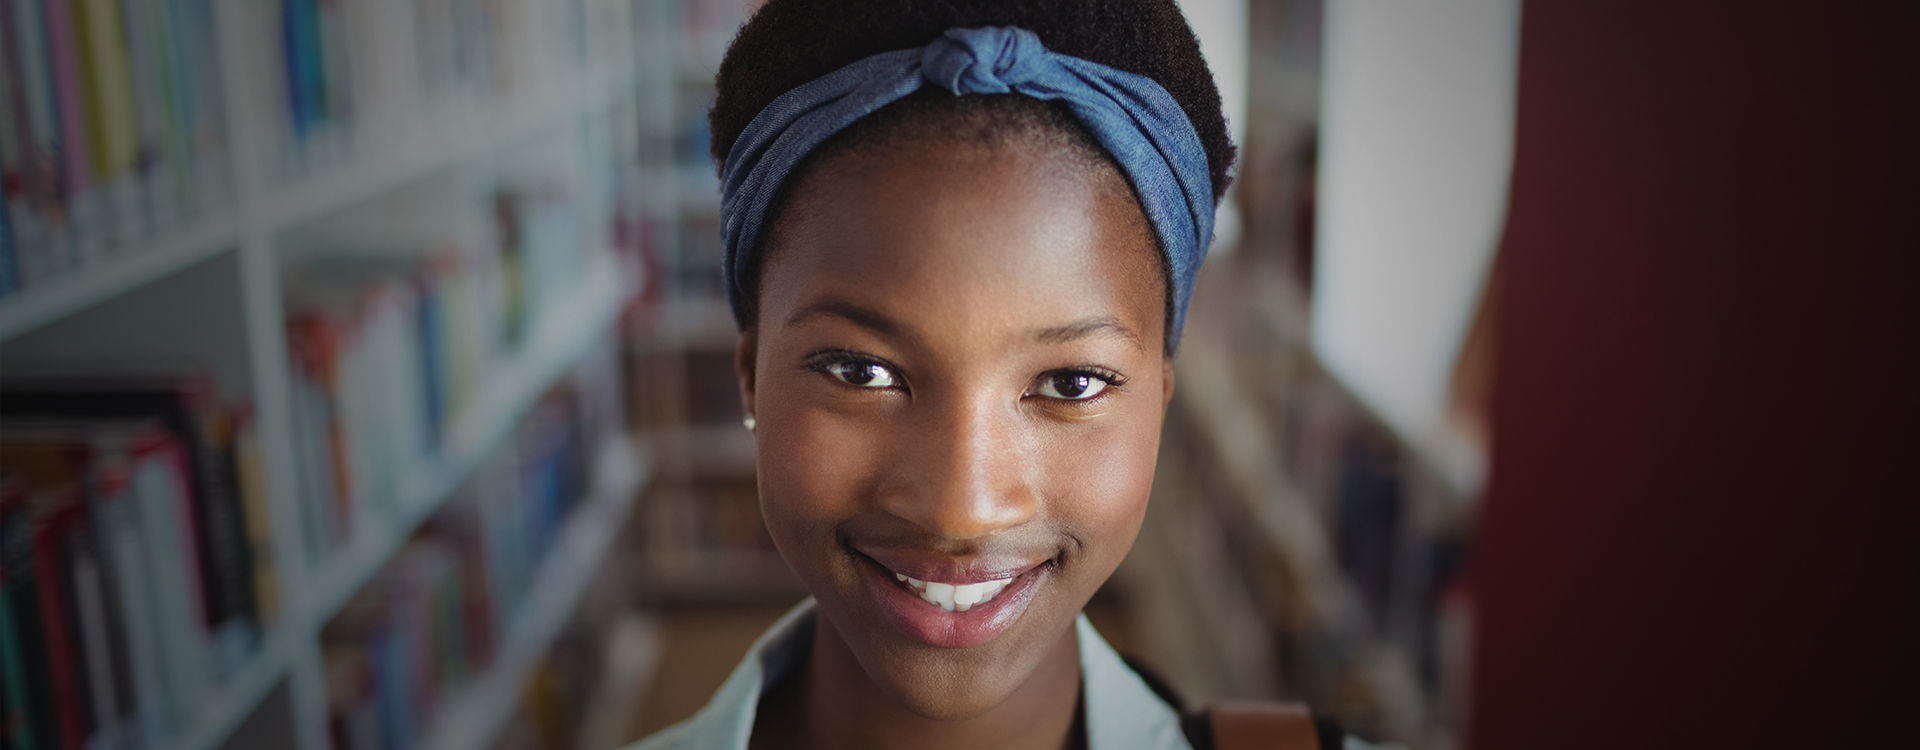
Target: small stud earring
x=748, y=422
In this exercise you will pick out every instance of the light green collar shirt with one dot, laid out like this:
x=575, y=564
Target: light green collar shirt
x=1122, y=712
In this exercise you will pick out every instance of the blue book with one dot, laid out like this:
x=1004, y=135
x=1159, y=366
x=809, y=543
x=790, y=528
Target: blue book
x=9, y=267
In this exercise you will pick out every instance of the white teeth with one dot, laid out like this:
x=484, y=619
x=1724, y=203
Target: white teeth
x=958, y=598
x=901, y=577
x=941, y=594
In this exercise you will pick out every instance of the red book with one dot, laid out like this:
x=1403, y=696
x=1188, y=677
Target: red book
x=69, y=693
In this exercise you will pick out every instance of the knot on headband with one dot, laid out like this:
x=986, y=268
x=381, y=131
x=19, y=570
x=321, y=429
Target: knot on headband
x=1130, y=115
x=983, y=61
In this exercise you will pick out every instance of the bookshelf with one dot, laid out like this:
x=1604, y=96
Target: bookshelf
x=283, y=182
x=478, y=715
x=566, y=337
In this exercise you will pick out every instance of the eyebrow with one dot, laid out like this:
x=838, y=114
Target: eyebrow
x=848, y=311
x=1105, y=325
x=873, y=320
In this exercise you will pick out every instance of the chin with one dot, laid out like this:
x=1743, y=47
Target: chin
x=951, y=685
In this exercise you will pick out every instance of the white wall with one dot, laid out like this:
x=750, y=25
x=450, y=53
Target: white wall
x=1416, y=149
x=1221, y=26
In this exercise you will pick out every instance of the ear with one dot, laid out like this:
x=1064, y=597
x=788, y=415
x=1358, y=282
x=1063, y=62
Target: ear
x=1166, y=382
x=745, y=356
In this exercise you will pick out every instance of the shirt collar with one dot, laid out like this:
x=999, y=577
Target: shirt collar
x=1121, y=711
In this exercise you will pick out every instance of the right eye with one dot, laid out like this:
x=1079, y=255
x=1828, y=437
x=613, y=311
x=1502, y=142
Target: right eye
x=863, y=374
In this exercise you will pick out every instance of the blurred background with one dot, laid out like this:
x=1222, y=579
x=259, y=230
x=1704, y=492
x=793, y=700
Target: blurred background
x=366, y=378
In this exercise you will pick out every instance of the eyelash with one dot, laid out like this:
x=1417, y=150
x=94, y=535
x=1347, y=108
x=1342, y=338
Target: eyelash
x=1111, y=380
x=825, y=363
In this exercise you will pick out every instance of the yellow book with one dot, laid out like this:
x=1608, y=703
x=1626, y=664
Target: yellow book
x=113, y=127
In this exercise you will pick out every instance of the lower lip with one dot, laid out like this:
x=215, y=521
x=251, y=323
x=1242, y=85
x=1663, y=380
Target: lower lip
x=931, y=625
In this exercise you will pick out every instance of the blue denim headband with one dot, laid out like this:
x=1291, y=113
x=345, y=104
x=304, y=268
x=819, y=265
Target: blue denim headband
x=1135, y=119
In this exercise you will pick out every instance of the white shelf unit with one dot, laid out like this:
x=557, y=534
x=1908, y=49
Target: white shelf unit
x=411, y=139
x=62, y=296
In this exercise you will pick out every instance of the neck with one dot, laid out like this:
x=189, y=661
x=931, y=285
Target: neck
x=833, y=703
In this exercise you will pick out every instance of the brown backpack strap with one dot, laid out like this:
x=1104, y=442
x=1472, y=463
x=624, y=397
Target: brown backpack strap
x=1252, y=725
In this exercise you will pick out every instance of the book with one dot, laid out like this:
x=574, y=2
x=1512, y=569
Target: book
x=99, y=662
x=54, y=474
x=161, y=489
x=17, y=647
x=9, y=271
x=125, y=541
x=82, y=207
x=251, y=479
x=112, y=117
x=31, y=204
x=37, y=726
x=160, y=187
x=201, y=101
x=184, y=406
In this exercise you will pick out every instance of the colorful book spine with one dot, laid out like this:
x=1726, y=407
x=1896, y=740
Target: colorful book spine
x=111, y=129
x=18, y=620
x=251, y=483
x=14, y=148
x=96, y=650
x=12, y=156
x=153, y=172
x=160, y=479
x=33, y=207
x=82, y=206
x=16, y=721
x=200, y=100
x=9, y=268
x=64, y=679
x=122, y=537
x=112, y=117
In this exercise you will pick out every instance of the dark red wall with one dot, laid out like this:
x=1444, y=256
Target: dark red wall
x=1701, y=527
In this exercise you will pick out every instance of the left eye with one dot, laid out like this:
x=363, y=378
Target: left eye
x=1072, y=386
x=863, y=374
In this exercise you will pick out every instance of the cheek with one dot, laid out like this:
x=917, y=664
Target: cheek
x=1102, y=481
x=814, y=469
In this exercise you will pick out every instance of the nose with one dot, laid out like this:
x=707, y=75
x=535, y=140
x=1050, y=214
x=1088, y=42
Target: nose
x=965, y=470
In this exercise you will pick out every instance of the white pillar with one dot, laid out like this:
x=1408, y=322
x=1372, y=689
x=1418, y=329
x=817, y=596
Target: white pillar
x=1417, y=108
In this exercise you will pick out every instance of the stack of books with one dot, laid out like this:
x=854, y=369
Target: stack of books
x=134, y=557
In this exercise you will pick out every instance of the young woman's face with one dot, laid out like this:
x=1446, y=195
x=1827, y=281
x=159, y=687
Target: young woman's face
x=958, y=378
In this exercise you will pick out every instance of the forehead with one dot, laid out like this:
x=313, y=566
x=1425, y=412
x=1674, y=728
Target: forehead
x=960, y=238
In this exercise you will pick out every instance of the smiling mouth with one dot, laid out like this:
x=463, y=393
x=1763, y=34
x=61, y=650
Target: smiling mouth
x=955, y=597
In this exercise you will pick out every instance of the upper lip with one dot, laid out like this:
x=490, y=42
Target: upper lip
x=927, y=565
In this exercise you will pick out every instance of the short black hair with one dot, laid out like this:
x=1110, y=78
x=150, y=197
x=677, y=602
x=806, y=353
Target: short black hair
x=788, y=43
